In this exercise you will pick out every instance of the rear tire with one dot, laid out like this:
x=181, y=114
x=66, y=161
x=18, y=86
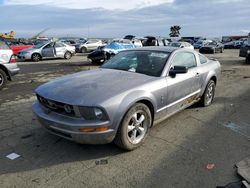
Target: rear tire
x=96, y=62
x=83, y=50
x=36, y=57
x=3, y=79
x=134, y=127
x=67, y=55
x=208, y=95
x=248, y=59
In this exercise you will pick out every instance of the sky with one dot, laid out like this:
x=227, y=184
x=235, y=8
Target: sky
x=112, y=18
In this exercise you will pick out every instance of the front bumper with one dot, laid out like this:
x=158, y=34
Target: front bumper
x=68, y=127
x=24, y=56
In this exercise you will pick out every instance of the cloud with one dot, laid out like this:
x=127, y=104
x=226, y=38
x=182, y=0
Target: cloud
x=84, y=4
x=196, y=17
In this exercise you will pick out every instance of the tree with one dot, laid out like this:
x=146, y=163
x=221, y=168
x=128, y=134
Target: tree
x=175, y=31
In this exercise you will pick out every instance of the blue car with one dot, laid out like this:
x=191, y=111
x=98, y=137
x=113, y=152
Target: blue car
x=104, y=53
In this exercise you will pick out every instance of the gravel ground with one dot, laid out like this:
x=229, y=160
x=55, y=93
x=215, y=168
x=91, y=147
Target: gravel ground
x=175, y=153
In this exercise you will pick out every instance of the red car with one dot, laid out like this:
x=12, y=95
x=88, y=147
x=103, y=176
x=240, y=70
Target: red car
x=17, y=48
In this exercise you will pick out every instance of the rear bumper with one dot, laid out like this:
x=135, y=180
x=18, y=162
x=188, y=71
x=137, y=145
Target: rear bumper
x=12, y=68
x=68, y=127
x=207, y=50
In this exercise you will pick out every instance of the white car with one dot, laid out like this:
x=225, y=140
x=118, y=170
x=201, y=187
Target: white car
x=7, y=66
x=90, y=45
x=181, y=45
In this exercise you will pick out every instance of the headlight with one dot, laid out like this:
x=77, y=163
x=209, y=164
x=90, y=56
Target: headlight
x=248, y=51
x=92, y=113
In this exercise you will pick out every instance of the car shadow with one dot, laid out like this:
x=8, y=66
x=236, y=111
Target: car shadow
x=39, y=149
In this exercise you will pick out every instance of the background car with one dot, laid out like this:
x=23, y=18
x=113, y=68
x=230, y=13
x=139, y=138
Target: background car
x=245, y=51
x=7, y=66
x=233, y=44
x=47, y=50
x=106, y=52
x=201, y=43
x=89, y=45
x=212, y=47
x=16, y=47
x=181, y=45
x=126, y=96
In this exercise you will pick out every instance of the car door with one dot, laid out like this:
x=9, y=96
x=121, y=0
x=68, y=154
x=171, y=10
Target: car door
x=48, y=50
x=92, y=44
x=60, y=49
x=183, y=88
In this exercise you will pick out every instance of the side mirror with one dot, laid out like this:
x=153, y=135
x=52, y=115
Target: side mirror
x=182, y=46
x=178, y=70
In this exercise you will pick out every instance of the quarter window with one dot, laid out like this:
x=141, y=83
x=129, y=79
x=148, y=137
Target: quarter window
x=203, y=59
x=186, y=59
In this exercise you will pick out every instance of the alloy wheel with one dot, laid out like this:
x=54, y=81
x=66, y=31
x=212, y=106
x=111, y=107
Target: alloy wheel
x=137, y=127
x=210, y=93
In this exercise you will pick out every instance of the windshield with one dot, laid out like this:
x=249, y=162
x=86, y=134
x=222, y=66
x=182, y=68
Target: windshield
x=150, y=63
x=39, y=45
x=212, y=43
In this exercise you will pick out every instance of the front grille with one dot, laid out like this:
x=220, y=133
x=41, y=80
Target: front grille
x=57, y=107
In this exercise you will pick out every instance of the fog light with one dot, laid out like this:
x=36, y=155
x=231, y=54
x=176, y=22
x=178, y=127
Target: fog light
x=99, y=129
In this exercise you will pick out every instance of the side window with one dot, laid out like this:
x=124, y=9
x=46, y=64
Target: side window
x=203, y=59
x=186, y=59
x=50, y=45
x=58, y=44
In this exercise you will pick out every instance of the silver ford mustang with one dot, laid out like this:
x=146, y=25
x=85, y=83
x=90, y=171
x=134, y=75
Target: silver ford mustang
x=126, y=96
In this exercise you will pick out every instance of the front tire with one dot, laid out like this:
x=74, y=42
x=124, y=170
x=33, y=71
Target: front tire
x=208, y=96
x=3, y=79
x=84, y=50
x=36, y=57
x=134, y=127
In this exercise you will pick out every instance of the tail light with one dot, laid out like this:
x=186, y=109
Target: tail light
x=12, y=59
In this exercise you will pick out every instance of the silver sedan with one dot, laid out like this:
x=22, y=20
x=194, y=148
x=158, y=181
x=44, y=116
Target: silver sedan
x=126, y=96
x=47, y=50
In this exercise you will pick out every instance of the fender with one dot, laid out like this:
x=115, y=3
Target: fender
x=129, y=100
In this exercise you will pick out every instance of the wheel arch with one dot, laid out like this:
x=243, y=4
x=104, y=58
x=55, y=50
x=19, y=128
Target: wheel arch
x=144, y=100
x=36, y=53
x=2, y=67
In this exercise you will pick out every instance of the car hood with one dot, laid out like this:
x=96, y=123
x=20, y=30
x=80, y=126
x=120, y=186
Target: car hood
x=89, y=88
x=29, y=50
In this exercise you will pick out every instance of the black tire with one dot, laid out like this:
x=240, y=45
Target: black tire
x=67, y=55
x=3, y=79
x=36, y=57
x=131, y=133
x=248, y=59
x=208, y=95
x=96, y=62
x=221, y=50
x=84, y=50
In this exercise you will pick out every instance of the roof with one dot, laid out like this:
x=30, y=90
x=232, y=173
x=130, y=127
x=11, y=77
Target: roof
x=156, y=48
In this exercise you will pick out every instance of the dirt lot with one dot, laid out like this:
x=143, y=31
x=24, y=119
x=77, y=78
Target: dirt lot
x=175, y=154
